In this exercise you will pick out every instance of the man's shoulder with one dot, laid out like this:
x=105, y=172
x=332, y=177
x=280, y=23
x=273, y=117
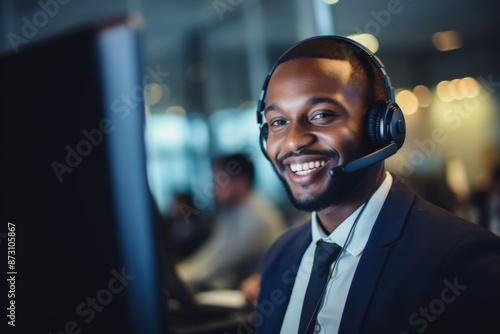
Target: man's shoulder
x=293, y=236
x=437, y=228
x=433, y=217
x=289, y=246
x=424, y=211
x=410, y=217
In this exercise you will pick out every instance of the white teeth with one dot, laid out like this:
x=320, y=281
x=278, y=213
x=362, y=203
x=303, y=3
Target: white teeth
x=307, y=167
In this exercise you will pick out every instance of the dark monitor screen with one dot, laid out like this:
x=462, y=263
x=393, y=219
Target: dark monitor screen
x=77, y=228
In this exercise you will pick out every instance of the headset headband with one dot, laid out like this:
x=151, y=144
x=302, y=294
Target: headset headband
x=369, y=55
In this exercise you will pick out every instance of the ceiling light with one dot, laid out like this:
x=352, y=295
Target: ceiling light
x=176, y=110
x=367, y=40
x=424, y=95
x=407, y=101
x=447, y=40
x=455, y=91
x=443, y=91
x=469, y=87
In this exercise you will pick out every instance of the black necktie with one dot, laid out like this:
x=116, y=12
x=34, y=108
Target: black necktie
x=324, y=256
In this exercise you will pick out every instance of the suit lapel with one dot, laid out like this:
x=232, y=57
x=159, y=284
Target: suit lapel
x=292, y=268
x=387, y=229
x=285, y=273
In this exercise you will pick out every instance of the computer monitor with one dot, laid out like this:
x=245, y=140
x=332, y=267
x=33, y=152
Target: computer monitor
x=76, y=212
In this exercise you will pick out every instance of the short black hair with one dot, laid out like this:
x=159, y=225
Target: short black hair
x=242, y=161
x=365, y=72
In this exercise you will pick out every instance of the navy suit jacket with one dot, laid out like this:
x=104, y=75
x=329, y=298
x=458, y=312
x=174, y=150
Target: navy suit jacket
x=423, y=270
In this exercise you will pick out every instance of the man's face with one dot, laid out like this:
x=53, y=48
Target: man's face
x=316, y=122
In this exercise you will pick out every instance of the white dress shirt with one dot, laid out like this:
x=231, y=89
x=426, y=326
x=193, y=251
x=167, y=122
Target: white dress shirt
x=330, y=311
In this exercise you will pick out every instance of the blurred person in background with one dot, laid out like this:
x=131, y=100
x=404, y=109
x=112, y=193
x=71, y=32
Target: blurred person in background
x=185, y=227
x=245, y=226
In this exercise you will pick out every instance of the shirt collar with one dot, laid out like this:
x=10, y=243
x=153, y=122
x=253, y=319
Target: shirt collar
x=364, y=226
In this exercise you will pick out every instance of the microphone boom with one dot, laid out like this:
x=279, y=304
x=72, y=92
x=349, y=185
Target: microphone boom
x=365, y=161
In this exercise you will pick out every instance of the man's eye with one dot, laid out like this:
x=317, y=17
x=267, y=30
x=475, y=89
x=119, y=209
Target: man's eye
x=278, y=122
x=321, y=115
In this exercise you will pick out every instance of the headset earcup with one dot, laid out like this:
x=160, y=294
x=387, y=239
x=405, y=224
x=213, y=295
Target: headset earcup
x=264, y=132
x=396, y=126
x=376, y=131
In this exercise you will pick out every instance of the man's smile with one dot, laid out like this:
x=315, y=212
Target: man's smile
x=304, y=170
x=306, y=167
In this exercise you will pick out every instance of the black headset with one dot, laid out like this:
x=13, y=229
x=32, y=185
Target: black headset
x=385, y=120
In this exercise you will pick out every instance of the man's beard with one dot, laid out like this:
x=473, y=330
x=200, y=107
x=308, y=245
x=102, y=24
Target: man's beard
x=338, y=189
x=335, y=191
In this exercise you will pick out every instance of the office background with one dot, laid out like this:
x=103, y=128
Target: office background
x=204, y=62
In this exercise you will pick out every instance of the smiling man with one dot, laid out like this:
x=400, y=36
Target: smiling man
x=316, y=123
x=375, y=258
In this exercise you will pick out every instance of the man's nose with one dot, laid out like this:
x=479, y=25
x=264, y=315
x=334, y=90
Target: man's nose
x=298, y=136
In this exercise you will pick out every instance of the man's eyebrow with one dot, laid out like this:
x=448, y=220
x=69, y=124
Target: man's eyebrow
x=321, y=99
x=318, y=100
x=271, y=107
x=312, y=101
